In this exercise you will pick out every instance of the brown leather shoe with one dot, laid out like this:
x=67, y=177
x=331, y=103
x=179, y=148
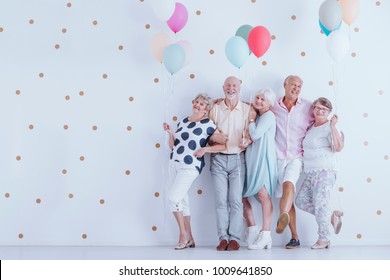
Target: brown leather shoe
x=222, y=245
x=233, y=246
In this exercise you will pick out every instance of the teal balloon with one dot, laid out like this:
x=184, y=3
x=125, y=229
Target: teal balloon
x=174, y=57
x=326, y=31
x=237, y=51
x=243, y=32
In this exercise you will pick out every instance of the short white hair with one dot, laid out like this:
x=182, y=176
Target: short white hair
x=269, y=94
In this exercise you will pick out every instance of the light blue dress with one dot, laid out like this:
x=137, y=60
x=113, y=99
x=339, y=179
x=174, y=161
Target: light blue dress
x=260, y=157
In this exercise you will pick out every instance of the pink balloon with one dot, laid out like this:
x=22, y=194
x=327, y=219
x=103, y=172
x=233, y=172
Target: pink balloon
x=259, y=40
x=179, y=18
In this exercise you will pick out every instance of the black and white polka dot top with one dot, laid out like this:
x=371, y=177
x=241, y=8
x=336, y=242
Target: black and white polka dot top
x=190, y=137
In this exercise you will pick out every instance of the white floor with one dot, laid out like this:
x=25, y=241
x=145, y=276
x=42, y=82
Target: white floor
x=199, y=253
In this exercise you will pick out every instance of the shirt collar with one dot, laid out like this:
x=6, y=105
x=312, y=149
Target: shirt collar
x=299, y=101
x=238, y=106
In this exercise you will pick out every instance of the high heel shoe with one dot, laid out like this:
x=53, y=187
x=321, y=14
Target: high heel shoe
x=181, y=246
x=190, y=244
x=336, y=220
x=325, y=245
x=263, y=241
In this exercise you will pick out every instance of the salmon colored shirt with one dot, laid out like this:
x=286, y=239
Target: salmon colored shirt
x=291, y=128
x=232, y=123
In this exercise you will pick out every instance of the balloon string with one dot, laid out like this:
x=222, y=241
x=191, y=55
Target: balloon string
x=164, y=92
x=163, y=169
x=336, y=72
x=253, y=74
x=336, y=85
x=168, y=95
x=349, y=32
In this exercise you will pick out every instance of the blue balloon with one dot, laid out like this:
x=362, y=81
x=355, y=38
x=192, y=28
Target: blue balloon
x=174, y=57
x=326, y=31
x=237, y=51
x=243, y=32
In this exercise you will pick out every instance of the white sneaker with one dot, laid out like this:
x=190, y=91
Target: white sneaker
x=263, y=241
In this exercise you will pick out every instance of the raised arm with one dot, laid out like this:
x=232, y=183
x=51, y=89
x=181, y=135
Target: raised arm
x=337, y=137
x=169, y=130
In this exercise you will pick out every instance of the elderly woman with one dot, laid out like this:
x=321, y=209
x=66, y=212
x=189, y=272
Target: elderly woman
x=320, y=145
x=188, y=146
x=262, y=175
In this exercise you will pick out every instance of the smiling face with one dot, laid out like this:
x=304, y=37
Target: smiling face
x=199, y=106
x=293, y=88
x=320, y=112
x=231, y=88
x=261, y=103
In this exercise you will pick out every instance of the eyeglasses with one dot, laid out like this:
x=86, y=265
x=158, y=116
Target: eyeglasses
x=321, y=109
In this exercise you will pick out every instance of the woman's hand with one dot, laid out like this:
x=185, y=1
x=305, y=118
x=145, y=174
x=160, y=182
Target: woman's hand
x=167, y=128
x=200, y=153
x=333, y=120
x=243, y=144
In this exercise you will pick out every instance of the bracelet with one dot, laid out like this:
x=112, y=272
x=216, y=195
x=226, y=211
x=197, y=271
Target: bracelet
x=251, y=121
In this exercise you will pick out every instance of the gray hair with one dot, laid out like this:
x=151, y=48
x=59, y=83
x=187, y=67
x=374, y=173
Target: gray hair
x=324, y=102
x=292, y=76
x=207, y=99
x=269, y=94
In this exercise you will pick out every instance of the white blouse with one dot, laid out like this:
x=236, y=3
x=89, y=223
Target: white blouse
x=317, y=150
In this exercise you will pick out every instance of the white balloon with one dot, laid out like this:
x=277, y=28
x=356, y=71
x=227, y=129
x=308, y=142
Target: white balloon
x=331, y=14
x=163, y=8
x=338, y=44
x=188, y=49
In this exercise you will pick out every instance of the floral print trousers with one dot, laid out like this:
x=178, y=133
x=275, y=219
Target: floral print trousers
x=314, y=198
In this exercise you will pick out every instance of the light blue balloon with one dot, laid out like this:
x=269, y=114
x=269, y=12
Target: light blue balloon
x=237, y=51
x=325, y=30
x=243, y=32
x=174, y=57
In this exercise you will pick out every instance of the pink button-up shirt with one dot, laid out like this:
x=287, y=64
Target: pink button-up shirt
x=291, y=128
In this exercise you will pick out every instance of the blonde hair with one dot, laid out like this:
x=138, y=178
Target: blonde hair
x=207, y=99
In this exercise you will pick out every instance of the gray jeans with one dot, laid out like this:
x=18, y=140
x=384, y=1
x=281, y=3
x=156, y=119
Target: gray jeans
x=228, y=175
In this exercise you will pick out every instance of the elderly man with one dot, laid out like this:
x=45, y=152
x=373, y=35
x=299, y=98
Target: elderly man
x=293, y=119
x=228, y=167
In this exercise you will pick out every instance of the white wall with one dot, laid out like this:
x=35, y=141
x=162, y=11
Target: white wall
x=131, y=210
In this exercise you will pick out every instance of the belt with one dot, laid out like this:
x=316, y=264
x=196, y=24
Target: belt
x=230, y=154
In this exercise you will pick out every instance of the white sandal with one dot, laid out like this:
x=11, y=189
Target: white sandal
x=181, y=246
x=337, y=222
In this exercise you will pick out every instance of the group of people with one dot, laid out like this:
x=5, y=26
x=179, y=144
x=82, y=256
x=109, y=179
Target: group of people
x=259, y=150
